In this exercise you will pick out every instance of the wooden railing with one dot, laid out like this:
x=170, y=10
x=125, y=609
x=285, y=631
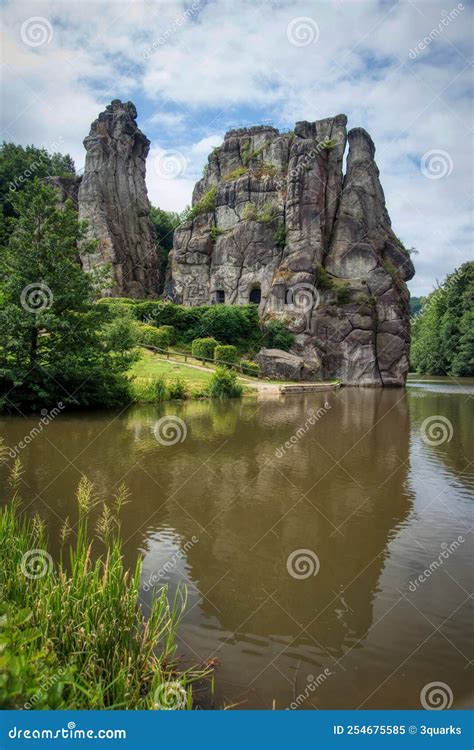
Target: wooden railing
x=188, y=355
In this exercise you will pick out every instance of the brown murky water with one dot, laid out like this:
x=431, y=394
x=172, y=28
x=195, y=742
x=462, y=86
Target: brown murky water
x=301, y=562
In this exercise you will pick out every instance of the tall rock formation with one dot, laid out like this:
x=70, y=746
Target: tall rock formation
x=113, y=199
x=275, y=221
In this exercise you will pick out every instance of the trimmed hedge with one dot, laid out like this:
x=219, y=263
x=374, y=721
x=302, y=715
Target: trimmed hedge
x=151, y=336
x=170, y=332
x=249, y=368
x=204, y=348
x=225, y=354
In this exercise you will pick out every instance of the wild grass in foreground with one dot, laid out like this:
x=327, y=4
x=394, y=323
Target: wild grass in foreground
x=72, y=634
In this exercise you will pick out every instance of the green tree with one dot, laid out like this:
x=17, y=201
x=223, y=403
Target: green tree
x=164, y=224
x=52, y=347
x=18, y=166
x=442, y=333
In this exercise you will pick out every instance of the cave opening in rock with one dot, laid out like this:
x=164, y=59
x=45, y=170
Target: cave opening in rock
x=220, y=296
x=255, y=295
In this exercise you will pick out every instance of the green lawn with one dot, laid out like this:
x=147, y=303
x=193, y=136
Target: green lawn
x=149, y=367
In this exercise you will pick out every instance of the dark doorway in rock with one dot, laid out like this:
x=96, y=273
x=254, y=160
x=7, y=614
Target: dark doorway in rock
x=255, y=295
x=220, y=296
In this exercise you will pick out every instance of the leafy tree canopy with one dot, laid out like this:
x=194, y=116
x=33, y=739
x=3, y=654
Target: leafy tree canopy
x=443, y=332
x=53, y=342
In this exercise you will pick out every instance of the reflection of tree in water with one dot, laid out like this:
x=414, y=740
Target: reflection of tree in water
x=251, y=505
x=455, y=405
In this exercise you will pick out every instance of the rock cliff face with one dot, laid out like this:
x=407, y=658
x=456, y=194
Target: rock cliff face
x=275, y=221
x=113, y=198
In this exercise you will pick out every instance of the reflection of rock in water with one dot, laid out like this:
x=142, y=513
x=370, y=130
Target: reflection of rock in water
x=255, y=512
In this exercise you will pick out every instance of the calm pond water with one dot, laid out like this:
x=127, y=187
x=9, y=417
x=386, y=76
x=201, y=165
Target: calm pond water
x=302, y=562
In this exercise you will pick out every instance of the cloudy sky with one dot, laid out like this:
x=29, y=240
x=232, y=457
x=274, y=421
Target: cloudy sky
x=196, y=68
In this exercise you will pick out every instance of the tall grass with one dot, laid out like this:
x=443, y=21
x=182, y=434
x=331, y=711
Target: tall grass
x=72, y=634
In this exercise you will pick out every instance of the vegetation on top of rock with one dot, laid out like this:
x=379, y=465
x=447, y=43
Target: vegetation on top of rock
x=322, y=279
x=443, y=332
x=327, y=143
x=266, y=213
x=247, y=154
x=264, y=169
x=280, y=235
x=215, y=232
x=235, y=174
x=205, y=205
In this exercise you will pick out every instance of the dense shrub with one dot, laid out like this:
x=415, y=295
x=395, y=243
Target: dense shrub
x=177, y=388
x=225, y=354
x=224, y=384
x=161, y=391
x=203, y=206
x=170, y=332
x=231, y=324
x=151, y=336
x=204, y=348
x=277, y=336
x=343, y=294
x=322, y=278
x=250, y=368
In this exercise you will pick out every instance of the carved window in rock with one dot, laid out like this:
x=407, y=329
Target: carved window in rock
x=220, y=296
x=255, y=295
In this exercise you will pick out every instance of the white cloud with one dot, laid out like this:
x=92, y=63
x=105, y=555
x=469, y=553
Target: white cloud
x=229, y=62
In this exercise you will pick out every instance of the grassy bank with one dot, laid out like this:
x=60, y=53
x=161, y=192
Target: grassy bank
x=72, y=633
x=154, y=379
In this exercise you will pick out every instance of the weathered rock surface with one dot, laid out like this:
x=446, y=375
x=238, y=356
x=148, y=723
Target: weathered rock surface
x=313, y=247
x=113, y=199
x=280, y=365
